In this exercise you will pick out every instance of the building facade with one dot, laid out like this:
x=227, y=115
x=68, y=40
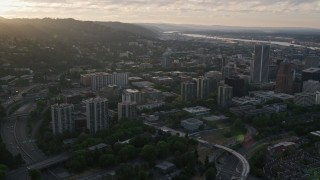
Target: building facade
x=127, y=110
x=97, y=114
x=260, y=64
x=225, y=96
x=188, y=91
x=285, y=78
x=61, y=118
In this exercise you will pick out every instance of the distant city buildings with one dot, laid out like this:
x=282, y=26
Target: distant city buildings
x=285, y=78
x=61, y=118
x=225, y=96
x=260, y=64
x=97, y=114
x=311, y=86
x=167, y=59
x=99, y=80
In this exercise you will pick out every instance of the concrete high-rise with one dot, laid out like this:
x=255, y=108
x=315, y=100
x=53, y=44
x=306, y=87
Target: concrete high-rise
x=97, y=114
x=237, y=84
x=224, y=96
x=61, y=118
x=285, y=78
x=260, y=64
x=203, y=87
x=127, y=110
x=166, y=61
x=188, y=91
x=133, y=96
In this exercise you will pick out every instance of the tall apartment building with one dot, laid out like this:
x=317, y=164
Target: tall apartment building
x=202, y=87
x=260, y=64
x=100, y=80
x=285, y=78
x=97, y=114
x=61, y=118
x=166, y=61
x=133, y=96
x=188, y=91
x=224, y=96
x=127, y=110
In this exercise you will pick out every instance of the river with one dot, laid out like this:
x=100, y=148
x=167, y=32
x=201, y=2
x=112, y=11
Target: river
x=247, y=40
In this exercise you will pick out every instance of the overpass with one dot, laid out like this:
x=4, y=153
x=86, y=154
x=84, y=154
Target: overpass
x=245, y=164
x=51, y=161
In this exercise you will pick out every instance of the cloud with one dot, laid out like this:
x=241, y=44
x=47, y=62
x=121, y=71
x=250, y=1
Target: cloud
x=165, y=10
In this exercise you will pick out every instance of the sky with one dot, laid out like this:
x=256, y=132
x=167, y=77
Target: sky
x=253, y=13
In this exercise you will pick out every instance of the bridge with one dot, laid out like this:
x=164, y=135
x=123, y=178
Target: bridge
x=51, y=161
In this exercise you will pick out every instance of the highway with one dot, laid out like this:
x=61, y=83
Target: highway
x=14, y=135
x=232, y=163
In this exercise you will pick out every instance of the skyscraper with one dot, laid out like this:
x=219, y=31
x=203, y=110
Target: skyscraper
x=188, y=91
x=260, y=64
x=61, y=118
x=97, y=114
x=224, y=96
x=285, y=78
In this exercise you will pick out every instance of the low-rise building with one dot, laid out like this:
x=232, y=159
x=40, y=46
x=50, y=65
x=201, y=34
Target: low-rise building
x=305, y=99
x=197, y=110
x=191, y=124
x=240, y=101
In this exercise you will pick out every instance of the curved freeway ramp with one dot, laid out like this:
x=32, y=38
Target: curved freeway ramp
x=243, y=160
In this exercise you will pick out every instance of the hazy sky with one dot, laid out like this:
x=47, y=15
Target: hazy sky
x=261, y=13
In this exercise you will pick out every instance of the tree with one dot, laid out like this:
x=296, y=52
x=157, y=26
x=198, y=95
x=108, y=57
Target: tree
x=2, y=112
x=3, y=169
x=148, y=153
x=211, y=173
x=107, y=160
x=34, y=174
x=162, y=149
x=127, y=153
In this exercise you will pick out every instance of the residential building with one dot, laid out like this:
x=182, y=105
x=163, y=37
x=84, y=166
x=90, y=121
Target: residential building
x=127, y=110
x=97, y=114
x=166, y=59
x=61, y=118
x=260, y=64
x=133, y=96
x=188, y=91
x=203, y=85
x=225, y=96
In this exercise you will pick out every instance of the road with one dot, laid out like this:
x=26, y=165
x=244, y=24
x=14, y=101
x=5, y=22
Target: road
x=232, y=163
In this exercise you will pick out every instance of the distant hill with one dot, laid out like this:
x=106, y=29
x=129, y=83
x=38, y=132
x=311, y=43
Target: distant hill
x=70, y=29
x=133, y=28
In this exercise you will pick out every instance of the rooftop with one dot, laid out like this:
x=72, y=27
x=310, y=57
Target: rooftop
x=312, y=70
x=196, y=109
